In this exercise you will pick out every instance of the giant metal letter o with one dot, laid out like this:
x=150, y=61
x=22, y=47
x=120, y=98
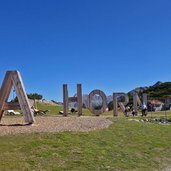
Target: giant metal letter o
x=104, y=101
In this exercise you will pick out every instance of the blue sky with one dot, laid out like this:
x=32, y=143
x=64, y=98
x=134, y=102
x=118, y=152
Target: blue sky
x=113, y=45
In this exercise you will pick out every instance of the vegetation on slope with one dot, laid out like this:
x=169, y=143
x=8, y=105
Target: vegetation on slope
x=159, y=92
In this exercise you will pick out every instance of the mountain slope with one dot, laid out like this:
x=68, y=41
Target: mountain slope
x=159, y=91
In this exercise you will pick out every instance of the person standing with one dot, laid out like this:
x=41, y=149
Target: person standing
x=144, y=110
x=126, y=111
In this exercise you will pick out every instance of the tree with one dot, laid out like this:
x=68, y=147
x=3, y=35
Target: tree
x=35, y=96
x=30, y=96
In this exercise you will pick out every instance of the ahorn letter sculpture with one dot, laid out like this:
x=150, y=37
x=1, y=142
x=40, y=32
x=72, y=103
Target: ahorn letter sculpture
x=13, y=78
x=116, y=103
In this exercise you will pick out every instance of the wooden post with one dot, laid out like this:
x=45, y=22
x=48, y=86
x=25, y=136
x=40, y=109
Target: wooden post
x=35, y=104
x=65, y=99
x=22, y=97
x=79, y=99
x=5, y=92
x=115, y=105
x=135, y=103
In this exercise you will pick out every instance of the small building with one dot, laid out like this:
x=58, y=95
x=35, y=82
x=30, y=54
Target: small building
x=155, y=105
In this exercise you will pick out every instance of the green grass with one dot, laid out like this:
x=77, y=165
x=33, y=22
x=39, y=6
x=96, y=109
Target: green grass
x=53, y=109
x=125, y=145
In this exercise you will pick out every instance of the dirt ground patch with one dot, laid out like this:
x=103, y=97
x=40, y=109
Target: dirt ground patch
x=16, y=125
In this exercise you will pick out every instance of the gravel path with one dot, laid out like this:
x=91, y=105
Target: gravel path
x=16, y=125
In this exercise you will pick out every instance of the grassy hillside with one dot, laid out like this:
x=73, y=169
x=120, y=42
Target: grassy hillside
x=54, y=109
x=159, y=92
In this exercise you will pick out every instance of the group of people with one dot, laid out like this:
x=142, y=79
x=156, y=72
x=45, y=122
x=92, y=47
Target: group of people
x=143, y=110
